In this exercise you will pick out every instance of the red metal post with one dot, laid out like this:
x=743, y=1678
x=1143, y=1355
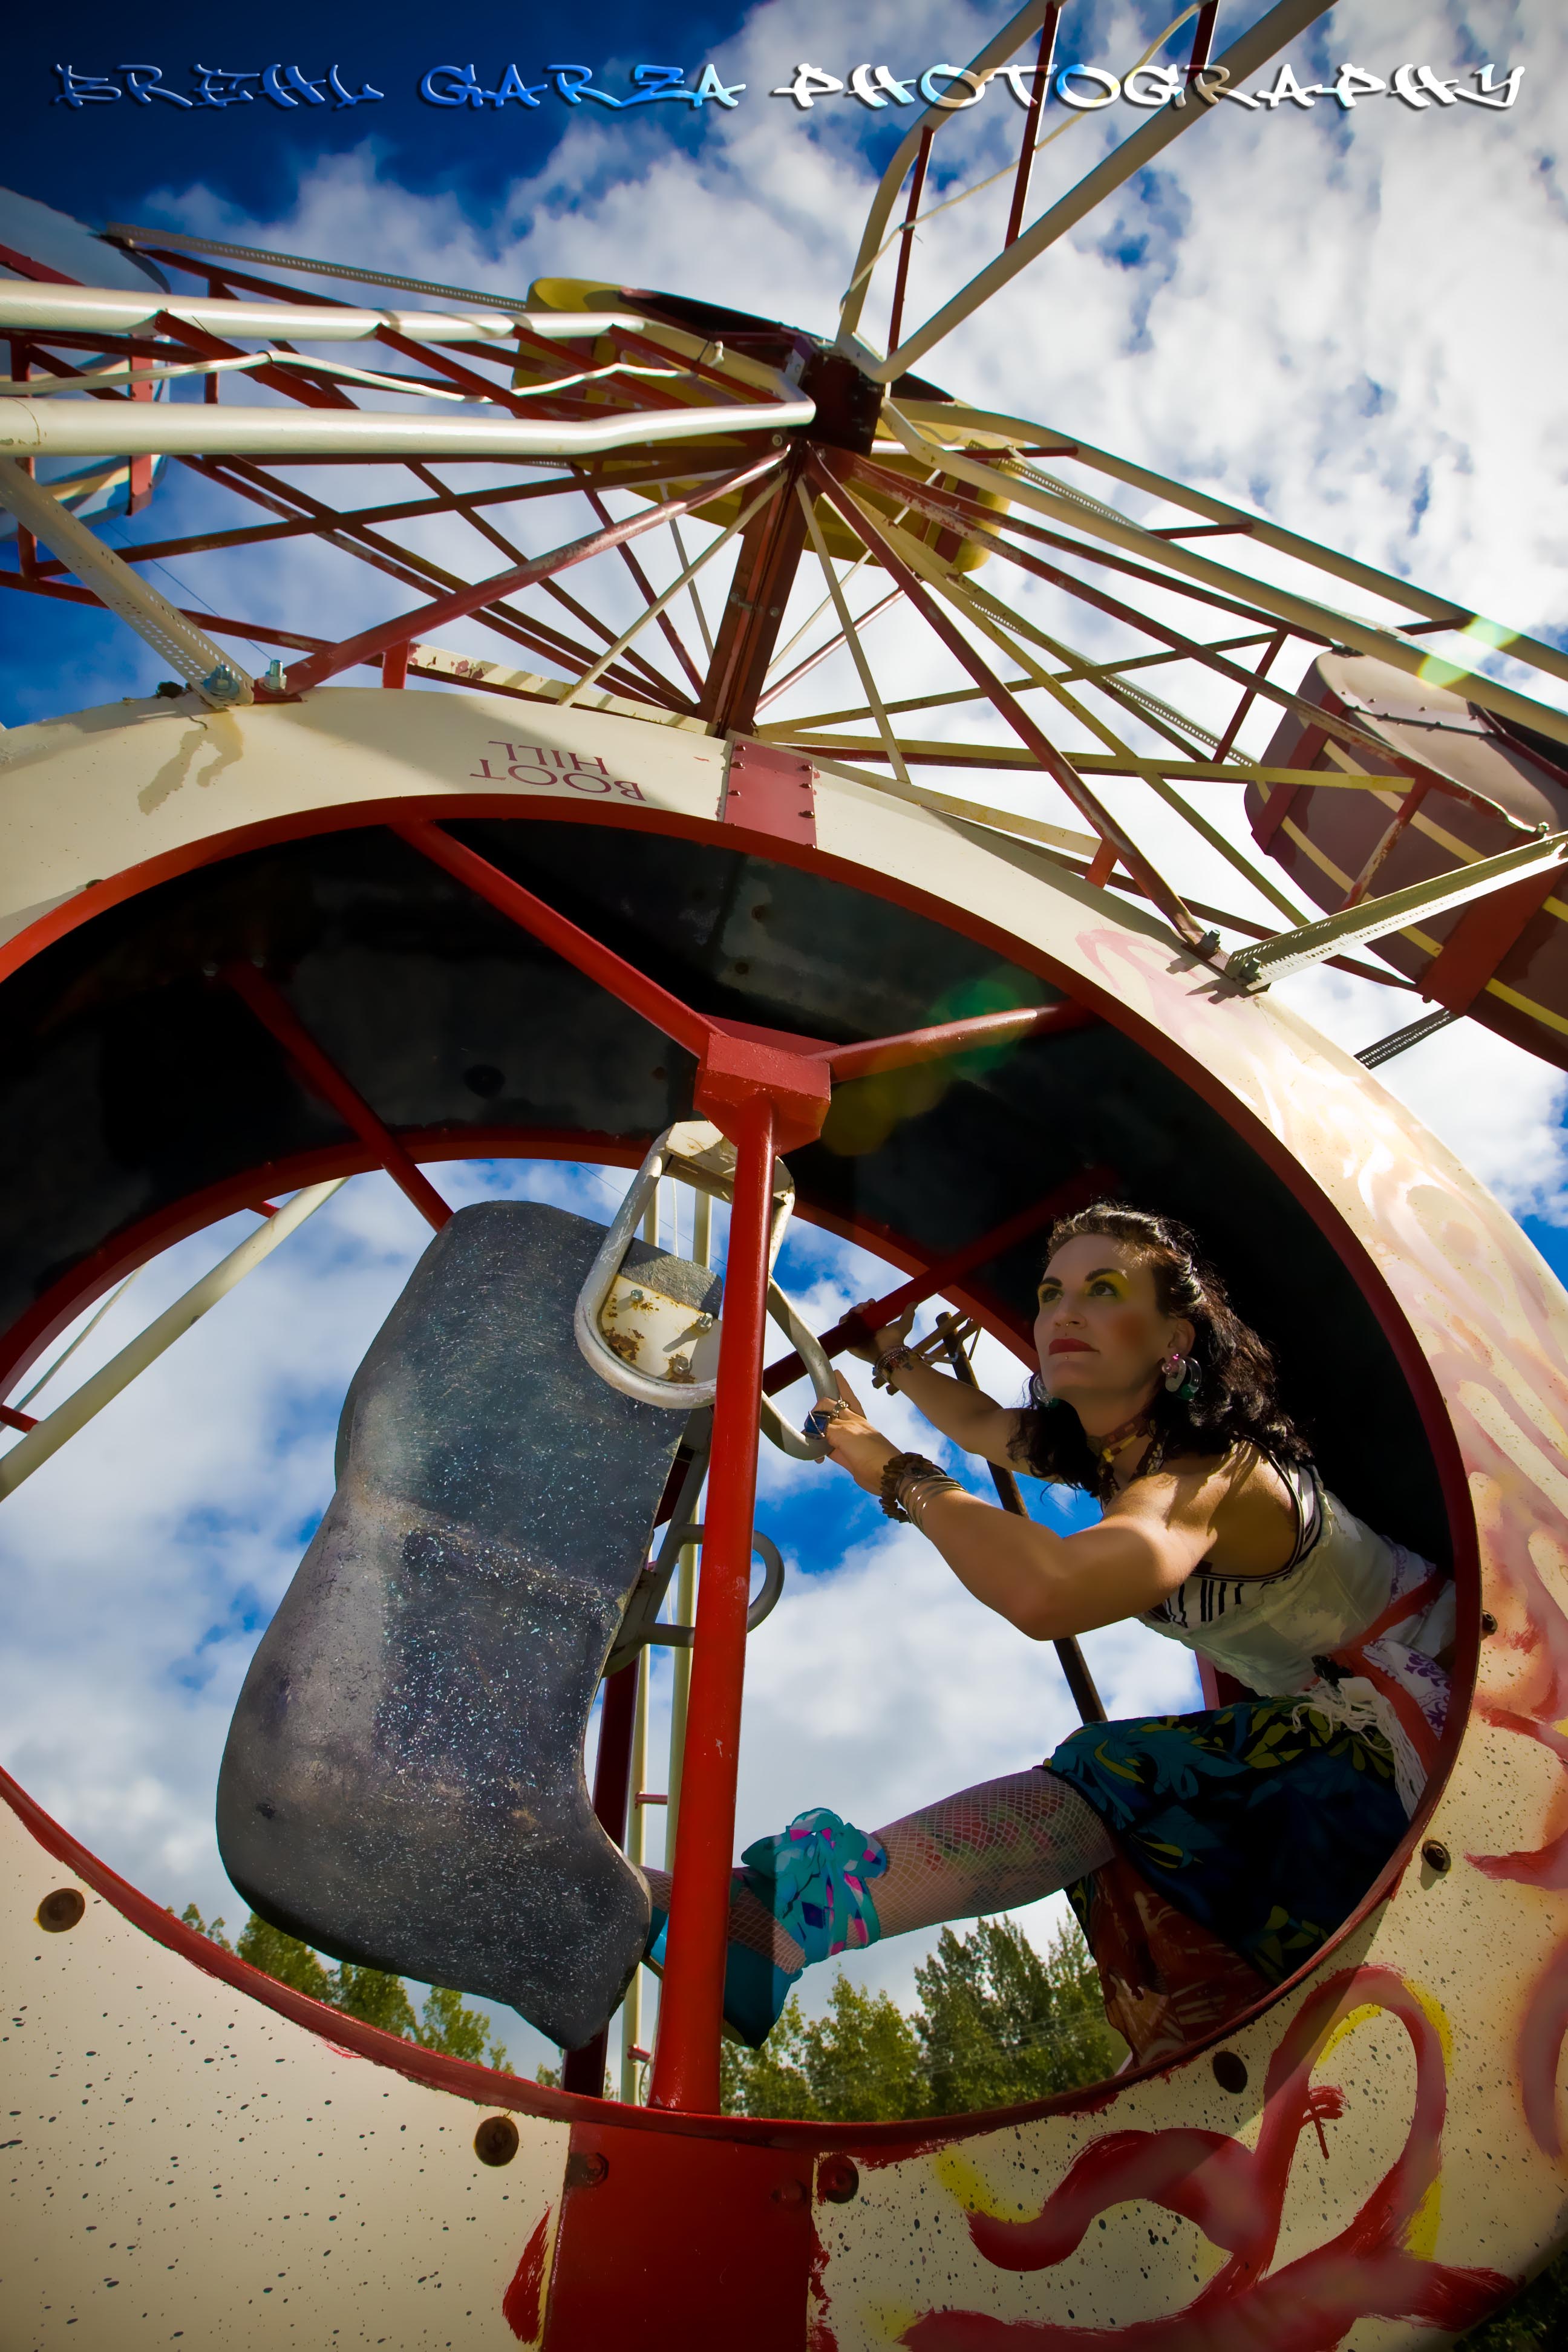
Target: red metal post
x=902, y=277
x=275, y=1012
x=583, y=2070
x=686, y=2063
x=394, y=664
x=1045, y=59
x=1249, y=694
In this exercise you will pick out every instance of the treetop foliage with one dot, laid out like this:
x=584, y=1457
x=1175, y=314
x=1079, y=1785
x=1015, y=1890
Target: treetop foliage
x=445, y=2024
x=997, y=2022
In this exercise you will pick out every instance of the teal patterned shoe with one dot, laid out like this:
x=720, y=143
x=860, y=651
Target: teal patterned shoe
x=755, y=1991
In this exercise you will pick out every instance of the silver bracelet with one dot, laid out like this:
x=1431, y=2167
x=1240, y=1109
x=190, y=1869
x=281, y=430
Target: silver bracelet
x=917, y=1493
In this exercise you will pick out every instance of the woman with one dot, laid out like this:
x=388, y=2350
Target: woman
x=1266, y=1819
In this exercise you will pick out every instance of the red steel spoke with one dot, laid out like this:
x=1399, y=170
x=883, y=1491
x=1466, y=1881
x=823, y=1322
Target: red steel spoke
x=855, y=1331
x=802, y=668
x=275, y=1012
x=1055, y=762
x=461, y=602
x=906, y=235
x=649, y=594
x=1044, y=58
x=950, y=1037
x=686, y=2063
x=264, y=632
x=1265, y=664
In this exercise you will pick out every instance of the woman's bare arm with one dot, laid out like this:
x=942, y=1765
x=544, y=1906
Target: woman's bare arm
x=972, y=1419
x=1051, y=1586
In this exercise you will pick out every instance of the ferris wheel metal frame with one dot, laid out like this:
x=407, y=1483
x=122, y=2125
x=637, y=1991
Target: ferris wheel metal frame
x=799, y=454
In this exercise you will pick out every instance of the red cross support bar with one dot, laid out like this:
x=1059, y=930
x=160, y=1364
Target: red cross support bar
x=768, y=1092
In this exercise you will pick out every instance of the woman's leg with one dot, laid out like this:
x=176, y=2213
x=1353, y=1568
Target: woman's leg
x=989, y=1848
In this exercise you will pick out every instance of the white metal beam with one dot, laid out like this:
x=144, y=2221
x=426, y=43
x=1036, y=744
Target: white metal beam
x=31, y=1452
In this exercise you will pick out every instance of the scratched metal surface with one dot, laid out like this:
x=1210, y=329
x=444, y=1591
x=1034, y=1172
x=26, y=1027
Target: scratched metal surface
x=1396, y=2158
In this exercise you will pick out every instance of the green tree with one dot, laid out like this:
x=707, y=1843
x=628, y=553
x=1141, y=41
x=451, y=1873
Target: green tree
x=861, y=2061
x=1535, y=2321
x=456, y=2032
x=211, y=1928
x=997, y=2022
x=285, y=1957
x=369, y=1994
x=1000, y=2023
x=373, y=1997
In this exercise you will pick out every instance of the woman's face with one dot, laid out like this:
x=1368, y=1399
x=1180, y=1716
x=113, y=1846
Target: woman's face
x=1099, y=1330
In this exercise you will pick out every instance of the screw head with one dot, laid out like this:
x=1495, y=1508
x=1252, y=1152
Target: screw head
x=790, y=2192
x=1436, y=1855
x=1488, y=1622
x=1229, y=2069
x=61, y=1910
x=496, y=2140
x=837, y=2180
x=587, y=2168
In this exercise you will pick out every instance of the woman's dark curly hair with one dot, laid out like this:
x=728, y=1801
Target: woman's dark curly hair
x=1235, y=1401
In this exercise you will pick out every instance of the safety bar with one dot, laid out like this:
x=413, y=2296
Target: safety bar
x=764, y=1603
x=697, y=1153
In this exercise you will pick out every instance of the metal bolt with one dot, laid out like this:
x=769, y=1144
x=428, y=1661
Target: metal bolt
x=586, y=2168
x=496, y=2141
x=1436, y=1855
x=61, y=1910
x=837, y=2180
x=778, y=440
x=790, y=2192
x=1488, y=1622
x=1229, y=2069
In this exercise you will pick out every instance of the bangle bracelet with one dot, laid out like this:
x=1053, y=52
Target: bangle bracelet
x=891, y=1359
x=917, y=1494
x=895, y=1470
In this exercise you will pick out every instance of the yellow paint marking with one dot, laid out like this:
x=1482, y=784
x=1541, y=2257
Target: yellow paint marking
x=967, y=2185
x=1420, y=2232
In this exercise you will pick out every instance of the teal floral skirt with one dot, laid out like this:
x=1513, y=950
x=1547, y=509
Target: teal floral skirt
x=1264, y=1821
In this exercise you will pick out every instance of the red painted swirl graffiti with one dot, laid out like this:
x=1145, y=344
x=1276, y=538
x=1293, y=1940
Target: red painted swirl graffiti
x=1236, y=2195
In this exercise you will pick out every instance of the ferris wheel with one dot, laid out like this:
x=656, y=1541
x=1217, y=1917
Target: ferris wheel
x=617, y=892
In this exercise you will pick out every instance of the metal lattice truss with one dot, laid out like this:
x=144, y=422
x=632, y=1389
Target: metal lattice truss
x=727, y=481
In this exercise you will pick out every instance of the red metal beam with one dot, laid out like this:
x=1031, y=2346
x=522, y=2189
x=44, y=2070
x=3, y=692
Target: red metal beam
x=794, y=677
x=906, y=238
x=854, y=1330
x=649, y=594
x=275, y=1012
x=748, y=631
x=686, y=2063
x=418, y=572
x=583, y=2071
x=218, y=621
x=1045, y=59
x=953, y=1037
x=1055, y=763
x=461, y=602
x=1266, y=661
x=563, y=937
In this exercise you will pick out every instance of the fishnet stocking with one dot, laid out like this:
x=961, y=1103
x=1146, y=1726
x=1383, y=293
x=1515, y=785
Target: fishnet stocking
x=989, y=1848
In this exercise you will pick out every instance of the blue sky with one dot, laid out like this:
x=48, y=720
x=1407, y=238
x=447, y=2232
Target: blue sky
x=1288, y=312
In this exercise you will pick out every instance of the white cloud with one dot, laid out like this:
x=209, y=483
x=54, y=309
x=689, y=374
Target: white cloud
x=1339, y=321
